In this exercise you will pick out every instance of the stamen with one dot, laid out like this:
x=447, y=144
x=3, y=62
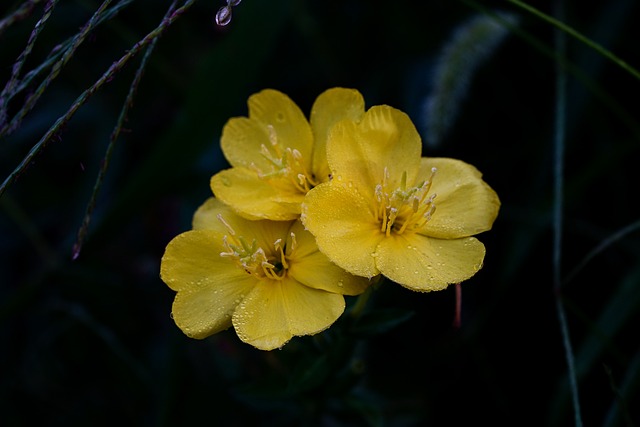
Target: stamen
x=393, y=213
x=402, y=208
x=279, y=248
x=294, y=242
x=226, y=224
x=252, y=258
x=287, y=166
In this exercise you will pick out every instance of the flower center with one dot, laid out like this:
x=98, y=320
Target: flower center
x=287, y=166
x=403, y=209
x=261, y=263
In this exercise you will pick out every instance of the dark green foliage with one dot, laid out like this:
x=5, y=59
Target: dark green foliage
x=90, y=341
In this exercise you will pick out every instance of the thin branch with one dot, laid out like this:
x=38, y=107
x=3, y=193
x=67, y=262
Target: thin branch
x=17, y=67
x=23, y=12
x=600, y=248
x=82, y=232
x=60, y=49
x=57, y=67
x=106, y=77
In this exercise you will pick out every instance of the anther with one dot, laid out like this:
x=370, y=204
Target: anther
x=226, y=224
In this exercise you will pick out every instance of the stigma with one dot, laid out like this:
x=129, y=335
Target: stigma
x=288, y=167
x=403, y=209
x=270, y=263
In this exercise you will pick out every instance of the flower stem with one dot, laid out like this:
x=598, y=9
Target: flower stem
x=567, y=29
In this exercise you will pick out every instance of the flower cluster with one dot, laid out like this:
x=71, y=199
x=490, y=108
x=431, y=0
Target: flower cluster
x=312, y=210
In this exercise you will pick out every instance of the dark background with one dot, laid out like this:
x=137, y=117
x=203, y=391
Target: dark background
x=91, y=342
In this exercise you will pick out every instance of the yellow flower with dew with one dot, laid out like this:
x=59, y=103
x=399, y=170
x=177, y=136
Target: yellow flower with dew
x=388, y=210
x=265, y=278
x=276, y=154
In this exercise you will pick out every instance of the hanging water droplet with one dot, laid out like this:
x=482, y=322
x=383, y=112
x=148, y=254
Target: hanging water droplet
x=223, y=17
x=233, y=2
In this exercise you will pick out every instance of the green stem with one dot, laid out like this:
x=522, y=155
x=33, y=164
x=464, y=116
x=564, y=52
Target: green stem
x=565, y=28
x=558, y=218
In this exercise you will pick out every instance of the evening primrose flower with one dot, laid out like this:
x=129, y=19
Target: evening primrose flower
x=276, y=155
x=267, y=279
x=388, y=210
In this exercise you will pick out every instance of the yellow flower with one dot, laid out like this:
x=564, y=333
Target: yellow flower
x=266, y=278
x=277, y=155
x=387, y=210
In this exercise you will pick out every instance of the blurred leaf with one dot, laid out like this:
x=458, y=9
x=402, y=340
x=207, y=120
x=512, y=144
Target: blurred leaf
x=380, y=321
x=310, y=373
x=369, y=409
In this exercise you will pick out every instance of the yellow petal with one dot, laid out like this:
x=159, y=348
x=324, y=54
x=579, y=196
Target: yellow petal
x=465, y=204
x=265, y=232
x=385, y=139
x=426, y=264
x=205, y=217
x=332, y=106
x=242, y=137
x=254, y=197
x=344, y=227
x=312, y=268
x=275, y=311
x=209, y=286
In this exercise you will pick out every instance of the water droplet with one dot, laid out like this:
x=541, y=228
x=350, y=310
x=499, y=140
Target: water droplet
x=409, y=247
x=350, y=184
x=374, y=254
x=226, y=182
x=223, y=17
x=233, y=2
x=416, y=272
x=340, y=284
x=339, y=177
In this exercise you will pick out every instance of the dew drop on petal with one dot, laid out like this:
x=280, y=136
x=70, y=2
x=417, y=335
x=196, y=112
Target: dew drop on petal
x=223, y=16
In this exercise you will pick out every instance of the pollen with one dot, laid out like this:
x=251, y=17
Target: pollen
x=287, y=167
x=270, y=263
x=403, y=209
